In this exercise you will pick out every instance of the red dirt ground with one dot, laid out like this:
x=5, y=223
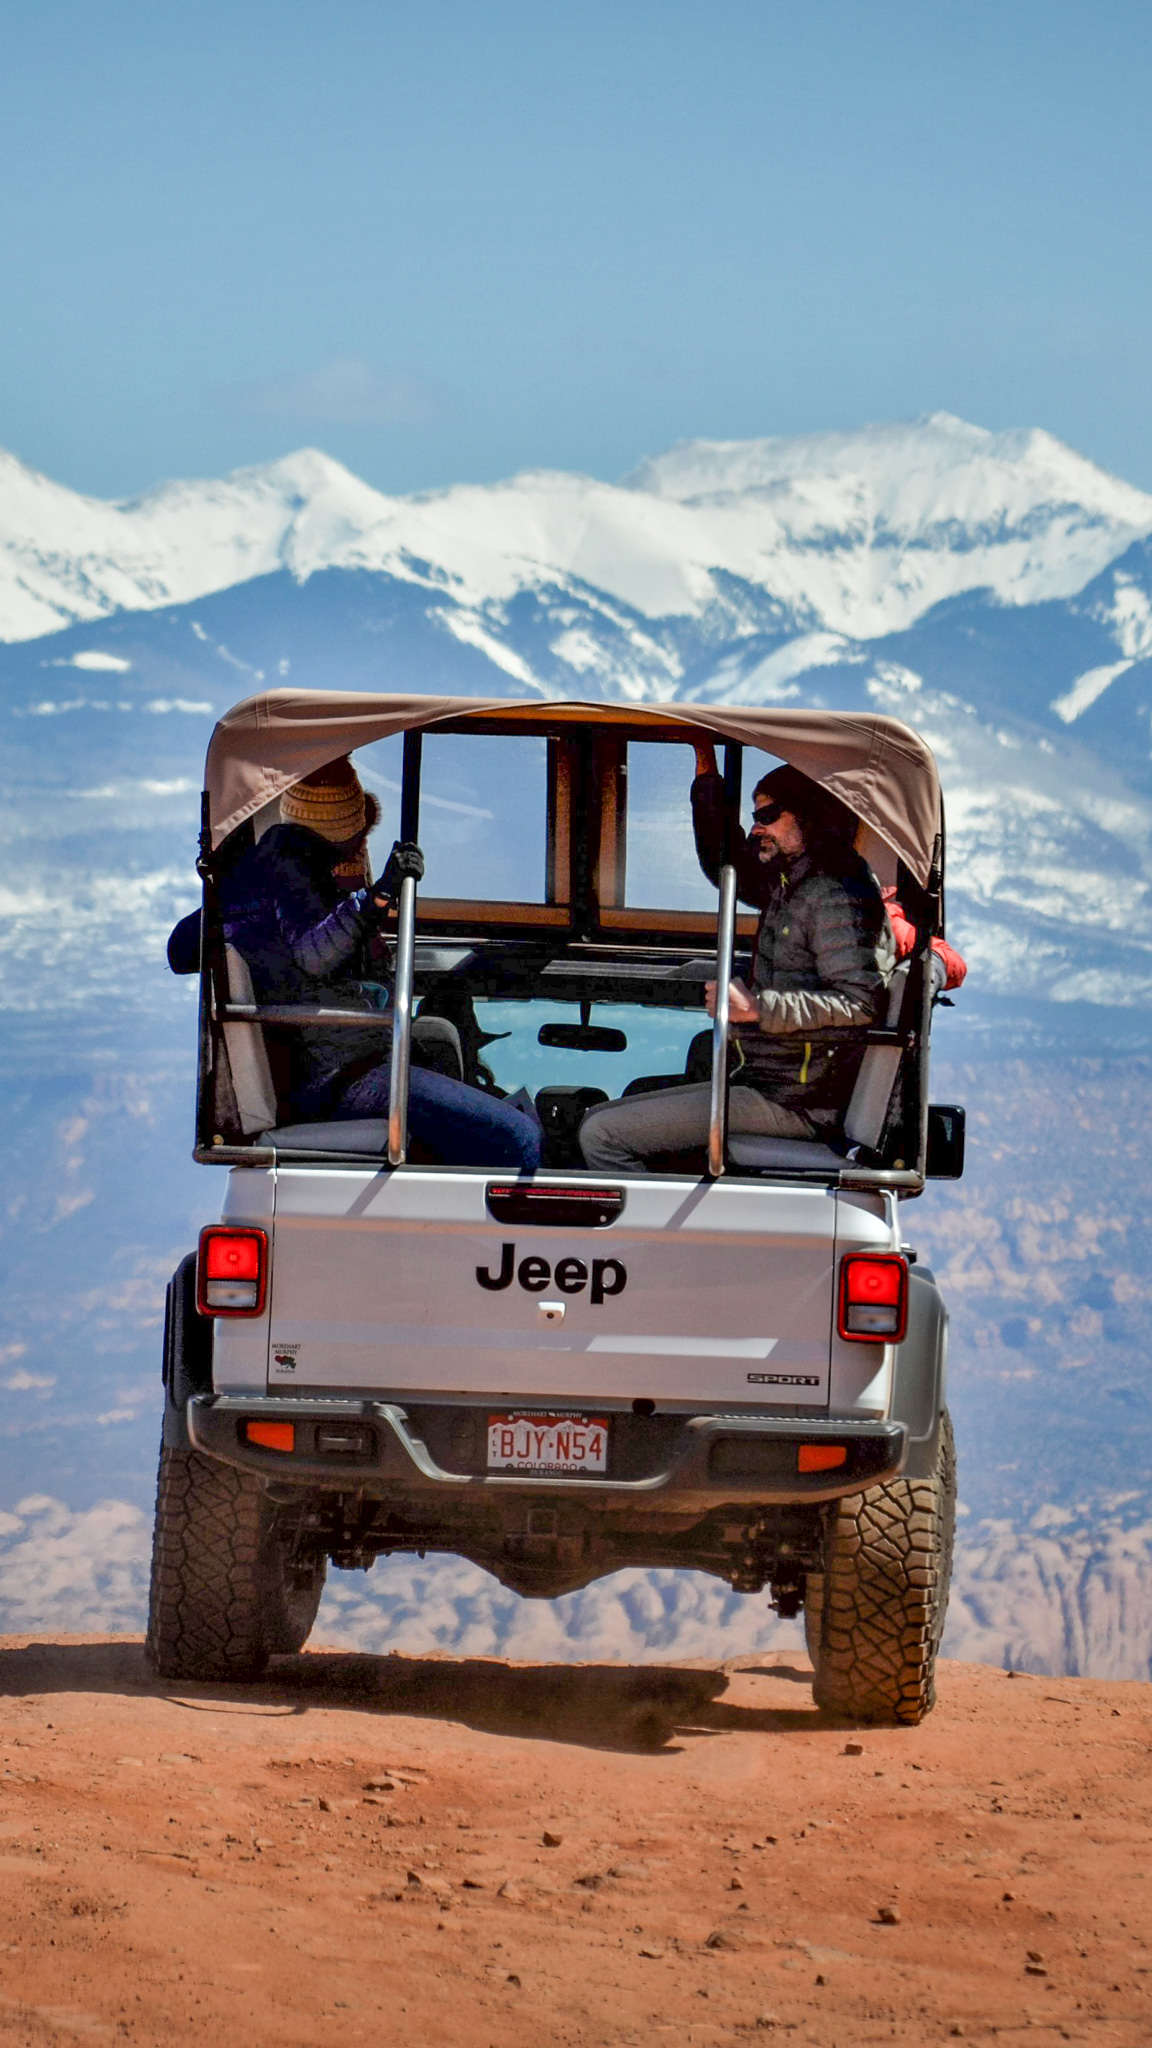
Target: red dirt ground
x=358, y=1850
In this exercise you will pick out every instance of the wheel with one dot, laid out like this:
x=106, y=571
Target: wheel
x=223, y=1597
x=874, y=1617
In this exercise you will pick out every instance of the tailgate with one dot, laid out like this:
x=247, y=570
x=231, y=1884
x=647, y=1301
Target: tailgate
x=404, y=1283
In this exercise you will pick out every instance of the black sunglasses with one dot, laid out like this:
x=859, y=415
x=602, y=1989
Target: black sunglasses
x=767, y=814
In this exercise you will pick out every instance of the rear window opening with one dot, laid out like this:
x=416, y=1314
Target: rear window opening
x=661, y=871
x=483, y=814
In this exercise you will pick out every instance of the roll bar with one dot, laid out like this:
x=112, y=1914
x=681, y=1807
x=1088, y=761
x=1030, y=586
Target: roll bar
x=405, y=961
x=725, y=947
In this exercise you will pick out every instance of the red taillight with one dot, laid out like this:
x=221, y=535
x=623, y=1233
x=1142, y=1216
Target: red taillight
x=232, y=1270
x=232, y=1257
x=873, y=1297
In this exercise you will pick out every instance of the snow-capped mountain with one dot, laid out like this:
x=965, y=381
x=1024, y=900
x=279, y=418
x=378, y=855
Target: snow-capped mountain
x=994, y=590
x=859, y=533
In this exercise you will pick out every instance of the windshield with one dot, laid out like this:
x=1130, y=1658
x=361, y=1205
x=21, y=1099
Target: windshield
x=657, y=1043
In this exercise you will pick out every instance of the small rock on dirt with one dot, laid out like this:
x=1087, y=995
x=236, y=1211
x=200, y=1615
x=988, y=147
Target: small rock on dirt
x=629, y=1870
x=725, y=1938
x=550, y=1840
x=853, y=1749
x=888, y=1916
x=511, y=1891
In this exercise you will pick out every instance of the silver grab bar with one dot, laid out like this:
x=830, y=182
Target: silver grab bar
x=725, y=947
x=402, y=1025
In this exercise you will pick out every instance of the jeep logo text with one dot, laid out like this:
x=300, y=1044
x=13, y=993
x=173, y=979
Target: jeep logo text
x=608, y=1276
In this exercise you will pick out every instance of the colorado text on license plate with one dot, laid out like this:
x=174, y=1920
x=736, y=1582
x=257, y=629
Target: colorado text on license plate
x=547, y=1443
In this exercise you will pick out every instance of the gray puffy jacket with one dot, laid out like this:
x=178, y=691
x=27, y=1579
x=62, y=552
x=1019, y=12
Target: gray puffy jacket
x=823, y=961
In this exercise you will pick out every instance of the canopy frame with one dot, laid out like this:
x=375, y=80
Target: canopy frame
x=876, y=765
x=873, y=764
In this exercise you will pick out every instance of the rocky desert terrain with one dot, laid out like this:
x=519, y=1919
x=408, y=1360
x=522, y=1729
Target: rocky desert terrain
x=492, y=1855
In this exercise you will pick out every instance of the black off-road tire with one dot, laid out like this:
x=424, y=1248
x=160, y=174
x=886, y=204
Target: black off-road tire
x=221, y=1598
x=874, y=1618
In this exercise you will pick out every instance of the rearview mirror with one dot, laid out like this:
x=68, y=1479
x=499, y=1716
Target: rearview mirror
x=945, y=1159
x=582, y=1037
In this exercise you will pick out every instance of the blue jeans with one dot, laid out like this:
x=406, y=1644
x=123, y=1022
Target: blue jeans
x=463, y=1126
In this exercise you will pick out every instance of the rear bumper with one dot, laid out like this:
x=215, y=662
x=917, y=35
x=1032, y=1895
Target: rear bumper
x=709, y=1459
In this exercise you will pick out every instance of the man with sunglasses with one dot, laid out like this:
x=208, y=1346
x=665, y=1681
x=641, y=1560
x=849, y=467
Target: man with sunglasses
x=823, y=958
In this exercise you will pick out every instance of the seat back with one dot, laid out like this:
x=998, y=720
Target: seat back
x=436, y=1045
x=248, y=1055
x=867, y=1110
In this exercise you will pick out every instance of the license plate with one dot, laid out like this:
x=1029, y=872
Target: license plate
x=547, y=1443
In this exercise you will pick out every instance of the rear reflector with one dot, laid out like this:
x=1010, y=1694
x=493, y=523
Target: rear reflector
x=232, y=1270
x=271, y=1436
x=873, y=1297
x=821, y=1457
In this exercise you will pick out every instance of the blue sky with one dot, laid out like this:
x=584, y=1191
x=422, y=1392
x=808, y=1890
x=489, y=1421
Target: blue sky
x=459, y=239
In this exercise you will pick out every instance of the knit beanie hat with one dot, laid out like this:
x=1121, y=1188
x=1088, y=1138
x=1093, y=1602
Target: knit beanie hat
x=330, y=801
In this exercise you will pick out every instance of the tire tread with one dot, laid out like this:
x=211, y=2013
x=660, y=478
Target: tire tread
x=875, y=1615
x=219, y=1603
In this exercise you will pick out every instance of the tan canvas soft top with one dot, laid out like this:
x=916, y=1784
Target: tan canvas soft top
x=879, y=767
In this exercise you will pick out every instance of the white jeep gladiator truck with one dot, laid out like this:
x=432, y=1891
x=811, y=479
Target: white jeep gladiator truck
x=731, y=1364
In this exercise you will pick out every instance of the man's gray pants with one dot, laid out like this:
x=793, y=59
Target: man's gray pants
x=618, y=1137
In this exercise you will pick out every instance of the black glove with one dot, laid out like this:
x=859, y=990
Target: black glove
x=405, y=862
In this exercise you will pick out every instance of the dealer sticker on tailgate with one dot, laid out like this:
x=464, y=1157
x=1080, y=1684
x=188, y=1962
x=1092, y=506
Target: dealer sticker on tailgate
x=547, y=1443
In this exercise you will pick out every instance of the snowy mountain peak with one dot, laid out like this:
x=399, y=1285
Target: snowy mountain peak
x=856, y=533
x=296, y=479
x=929, y=470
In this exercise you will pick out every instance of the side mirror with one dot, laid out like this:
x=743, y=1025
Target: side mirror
x=945, y=1159
x=582, y=1037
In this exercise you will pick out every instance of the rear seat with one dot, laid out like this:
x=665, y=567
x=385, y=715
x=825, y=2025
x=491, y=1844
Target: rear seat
x=257, y=1107
x=256, y=1096
x=864, y=1118
x=247, y=1055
